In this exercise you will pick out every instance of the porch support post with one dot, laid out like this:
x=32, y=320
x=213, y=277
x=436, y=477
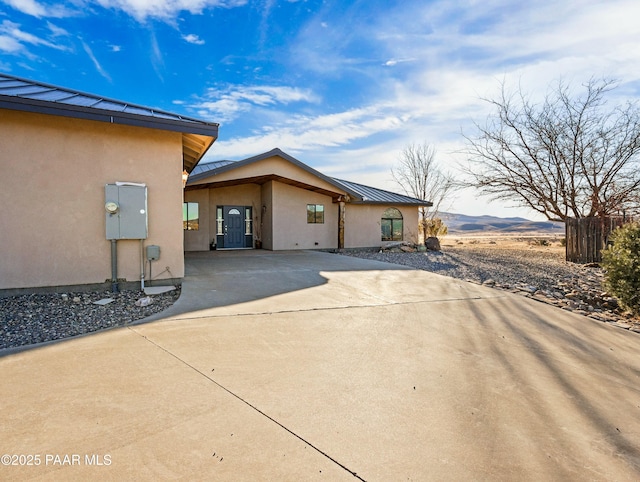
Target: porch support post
x=341, y=209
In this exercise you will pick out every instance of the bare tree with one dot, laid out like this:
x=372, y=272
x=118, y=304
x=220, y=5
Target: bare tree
x=567, y=157
x=418, y=174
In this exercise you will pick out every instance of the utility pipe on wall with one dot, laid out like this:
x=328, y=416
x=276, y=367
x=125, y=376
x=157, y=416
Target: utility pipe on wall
x=114, y=265
x=142, y=265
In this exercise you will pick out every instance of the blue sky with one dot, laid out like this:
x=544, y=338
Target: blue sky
x=343, y=86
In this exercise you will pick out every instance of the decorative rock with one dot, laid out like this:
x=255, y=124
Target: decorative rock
x=622, y=324
x=432, y=244
x=37, y=318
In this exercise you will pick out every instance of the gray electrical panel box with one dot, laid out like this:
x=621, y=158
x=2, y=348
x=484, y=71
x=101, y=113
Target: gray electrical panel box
x=126, y=210
x=153, y=252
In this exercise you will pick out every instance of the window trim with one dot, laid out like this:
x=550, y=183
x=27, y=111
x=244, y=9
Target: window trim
x=393, y=218
x=315, y=215
x=190, y=224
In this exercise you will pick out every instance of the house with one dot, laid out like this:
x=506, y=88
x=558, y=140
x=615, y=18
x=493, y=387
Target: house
x=276, y=202
x=81, y=175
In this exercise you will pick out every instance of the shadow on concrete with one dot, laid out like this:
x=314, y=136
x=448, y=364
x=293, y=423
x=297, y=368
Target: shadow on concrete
x=225, y=278
x=215, y=279
x=564, y=369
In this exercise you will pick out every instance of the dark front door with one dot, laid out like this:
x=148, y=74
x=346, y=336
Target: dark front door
x=233, y=226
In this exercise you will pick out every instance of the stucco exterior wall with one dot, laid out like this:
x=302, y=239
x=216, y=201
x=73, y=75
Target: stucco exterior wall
x=290, y=227
x=52, y=176
x=267, y=216
x=208, y=200
x=362, y=225
x=279, y=216
x=199, y=240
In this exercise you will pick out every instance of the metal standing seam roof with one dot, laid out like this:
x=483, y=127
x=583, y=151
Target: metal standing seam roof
x=372, y=195
x=210, y=167
x=360, y=193
x=30, y=96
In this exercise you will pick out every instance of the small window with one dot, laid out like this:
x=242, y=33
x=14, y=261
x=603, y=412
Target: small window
x=219, y=221
x=190, y=217
x=247, y=221
x=391, y=224
x=315, y=213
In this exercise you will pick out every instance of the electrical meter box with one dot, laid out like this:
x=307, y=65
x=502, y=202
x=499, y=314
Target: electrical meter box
x=153, y=252
x=126, y=210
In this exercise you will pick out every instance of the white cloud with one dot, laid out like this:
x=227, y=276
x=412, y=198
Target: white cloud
x=14, y=39
x=93, y=58
x=157, y=60
x=37, y=9
x=227, y=104
x=452, y=55
x=167, y=9
x=300, y=133
x=10, y=45
x=57, y=31
x=392, y=62
x=193, y=39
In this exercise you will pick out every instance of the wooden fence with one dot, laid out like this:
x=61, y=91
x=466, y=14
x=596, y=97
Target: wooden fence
x=587, y=237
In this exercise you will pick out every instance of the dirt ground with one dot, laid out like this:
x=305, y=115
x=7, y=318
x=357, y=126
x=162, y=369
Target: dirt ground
x=539, y=243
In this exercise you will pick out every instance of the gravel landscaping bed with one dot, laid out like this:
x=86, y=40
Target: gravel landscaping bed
x=542, y=275
x=36, y=318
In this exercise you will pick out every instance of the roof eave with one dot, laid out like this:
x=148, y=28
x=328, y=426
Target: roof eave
x=113, y=117
x=395, y=203
x=274, y=152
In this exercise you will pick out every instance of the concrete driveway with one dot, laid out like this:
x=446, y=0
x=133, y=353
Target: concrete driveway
x=313, y=366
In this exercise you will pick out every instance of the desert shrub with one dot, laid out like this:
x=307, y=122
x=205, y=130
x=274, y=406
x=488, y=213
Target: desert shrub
x=434, y=228
x=563, y=242
x=621, y=264
x=540, y=242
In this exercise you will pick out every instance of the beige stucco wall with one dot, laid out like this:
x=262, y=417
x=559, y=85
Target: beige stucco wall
x=199, y=240
x=52, y=176
x=290, y=227
x=208, y=200
x=282, y=224
x=266, y=221
x=362, y=224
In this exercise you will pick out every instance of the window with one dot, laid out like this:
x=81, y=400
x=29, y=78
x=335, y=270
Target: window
x=315, y=213
x=190, y=217
x=219, y=221
x=391, y=225
x=247, y=221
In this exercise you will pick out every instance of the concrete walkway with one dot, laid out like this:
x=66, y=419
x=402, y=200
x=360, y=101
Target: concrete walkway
x=313, y=366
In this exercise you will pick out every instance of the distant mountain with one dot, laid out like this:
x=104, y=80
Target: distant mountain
x=459, y=224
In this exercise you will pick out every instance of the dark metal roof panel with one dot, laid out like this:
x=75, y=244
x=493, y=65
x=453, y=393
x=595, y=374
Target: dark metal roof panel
x=51, y=95
x=210, y=167
x=31, y=96
x=372, y=195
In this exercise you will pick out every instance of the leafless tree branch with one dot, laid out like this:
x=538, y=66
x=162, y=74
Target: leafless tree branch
x=418, y=175
x=568, y=156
